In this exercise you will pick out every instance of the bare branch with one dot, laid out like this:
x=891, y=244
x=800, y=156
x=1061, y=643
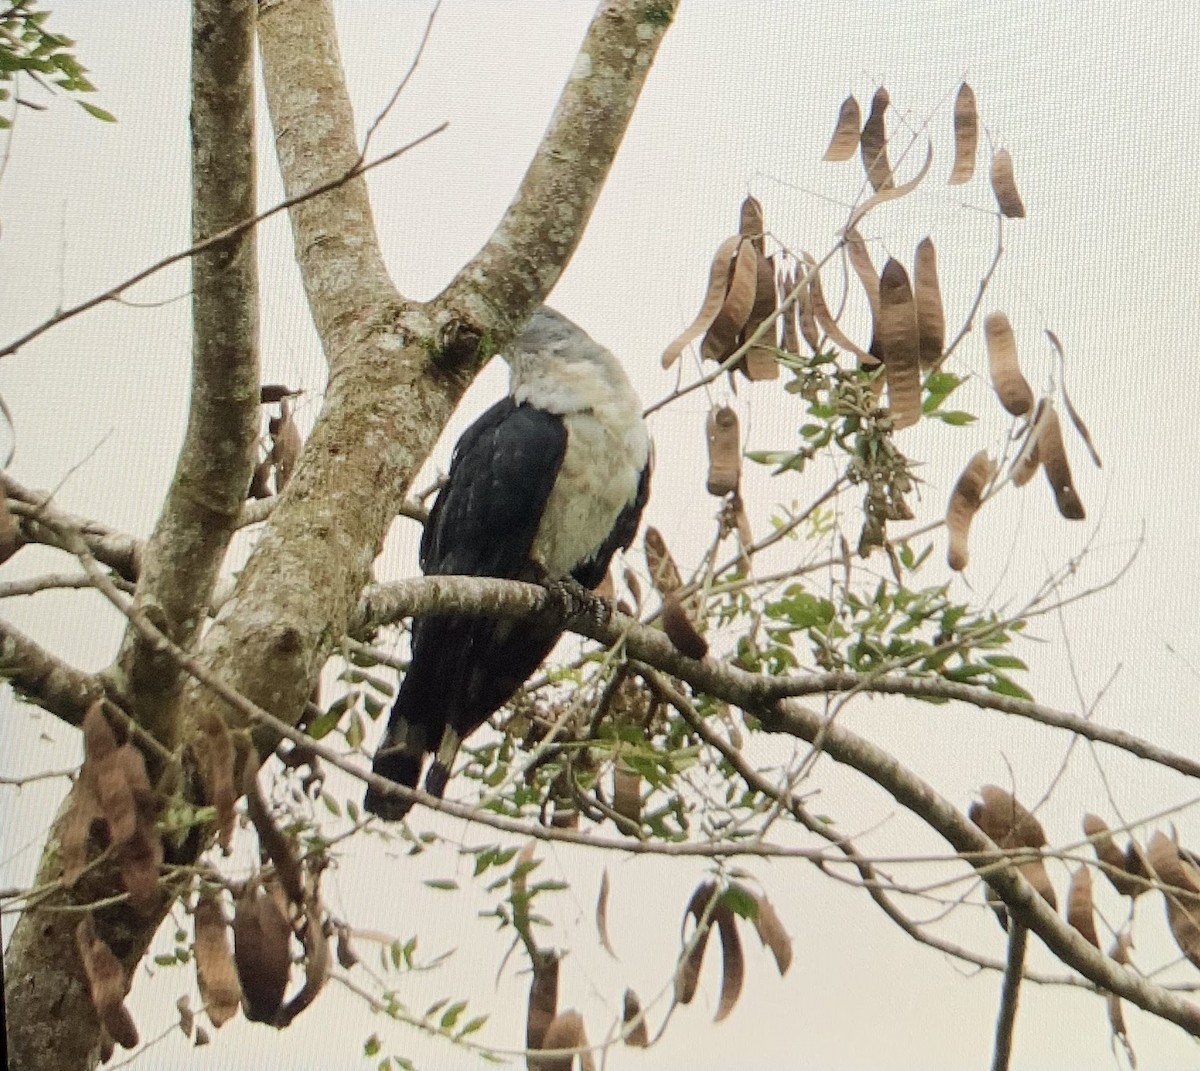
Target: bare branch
x=531, y=246
x=41, y=522
x=199, y=516
x=44, y=679
x=1006, y=1017
x=1024, y=904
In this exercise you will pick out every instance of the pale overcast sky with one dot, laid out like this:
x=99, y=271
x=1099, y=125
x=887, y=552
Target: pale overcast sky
x=1098, y=104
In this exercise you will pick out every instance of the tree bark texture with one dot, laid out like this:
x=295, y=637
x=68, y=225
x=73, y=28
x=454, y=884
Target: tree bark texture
x=397, y=369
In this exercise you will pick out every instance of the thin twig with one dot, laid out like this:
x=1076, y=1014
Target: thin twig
x=222, y=236
x=1010, y=991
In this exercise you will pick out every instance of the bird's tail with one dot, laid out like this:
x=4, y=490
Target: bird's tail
x=399, y=758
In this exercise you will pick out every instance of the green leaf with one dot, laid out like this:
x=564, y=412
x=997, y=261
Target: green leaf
x=1003, y=661
x=740, y=901
x=452, y=1013
x=475, y=1024
x=372, y=1045
x=444, y=884
x=956, y=417
x=1002, y=685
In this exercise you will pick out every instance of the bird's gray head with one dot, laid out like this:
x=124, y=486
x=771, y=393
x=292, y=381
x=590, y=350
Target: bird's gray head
x=558, y=366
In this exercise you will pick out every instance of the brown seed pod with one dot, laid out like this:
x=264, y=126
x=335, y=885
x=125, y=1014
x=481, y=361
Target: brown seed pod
x=931, y=317
x=262, y=953
x=638, y=1036
x=1004, y=186
x=873, y=144
x=773, y=935
x=845, y=133
x=714, y=298
x=721, y=339
x=965, y=500
x=543, y=999
x=680, y=630
x=1127, y=880
x=107, y=984
x=1010, y=385
x=1058, y=469
x=966, y=136
x=215, y=971
x=1080, y=910
x=899, y=342
x=664, y=573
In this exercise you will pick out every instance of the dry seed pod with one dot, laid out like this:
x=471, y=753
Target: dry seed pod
x=733, y=963
x=759, y=362
x=898, y=339
x=790, y=342
x=627, y=792
x=773, y=935
x=891, y=193
x=964, y=503
x=1010, y=385
x=808, y=320
x=260, y=479
x=1004, y=186
x=565, y=1031
x=1080, y=911
x=845, y=134
x=543, y=999
x=714, y=298
x=1058, y=470
x=187, y=1020
x=1125, y=881
x=1116, y=1017
x=107, y=984
x=214, y=754
x=873, y=144
x=271, y=840
x=262, y=953
x=346, y=955
x=1076, y=419
x=724, y=451
x=602, y=915
x=215, y=972
x=1003, y=818
x=637, y=1037
x=825, y=319
x=664, y=573
x=721, y=338
x=752, y=224
x=966, y=136
x=931, y=317
x=680, y=630
x=1182, y=899
x=687, y=974
x=1029, y=457
x=860, y=260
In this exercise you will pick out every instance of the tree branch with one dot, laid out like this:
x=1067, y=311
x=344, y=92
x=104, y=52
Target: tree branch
x=185, y=551
x=44, y=679
x=1025, y=906
x=532, y=245
x=387, y=603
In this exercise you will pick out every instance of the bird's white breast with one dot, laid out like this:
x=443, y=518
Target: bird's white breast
x=604, y=458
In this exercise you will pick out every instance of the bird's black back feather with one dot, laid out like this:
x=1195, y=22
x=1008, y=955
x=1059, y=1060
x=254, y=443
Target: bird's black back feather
x=482, y=524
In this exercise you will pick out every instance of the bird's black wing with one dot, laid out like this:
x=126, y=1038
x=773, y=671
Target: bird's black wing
x=486, y=516
x=590, y=572
x=482, y=524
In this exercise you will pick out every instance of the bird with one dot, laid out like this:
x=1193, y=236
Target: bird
x=547, y=485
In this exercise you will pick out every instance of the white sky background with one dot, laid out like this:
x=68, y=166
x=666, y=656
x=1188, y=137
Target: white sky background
x=1098, y=105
